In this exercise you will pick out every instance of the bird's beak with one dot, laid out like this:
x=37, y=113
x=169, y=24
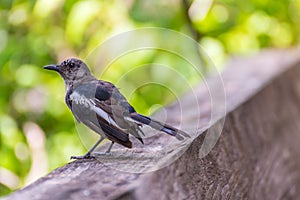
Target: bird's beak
x=52, y=67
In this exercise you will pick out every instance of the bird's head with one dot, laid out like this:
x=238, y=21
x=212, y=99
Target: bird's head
x=72, y=70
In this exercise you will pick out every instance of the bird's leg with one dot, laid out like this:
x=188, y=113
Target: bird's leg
x=107, y=152
x=88, y=154
x=109, y=148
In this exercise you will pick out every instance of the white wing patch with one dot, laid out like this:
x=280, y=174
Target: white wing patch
x=90, y=104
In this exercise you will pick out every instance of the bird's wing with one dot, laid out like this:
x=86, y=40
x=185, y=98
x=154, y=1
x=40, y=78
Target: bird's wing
x=109, y=99
x=86, y=111
x=114, y=104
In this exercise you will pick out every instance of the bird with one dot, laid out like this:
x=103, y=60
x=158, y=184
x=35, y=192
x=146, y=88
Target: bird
x=100, y=106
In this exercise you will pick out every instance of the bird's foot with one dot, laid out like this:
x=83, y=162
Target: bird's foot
x=86, y=156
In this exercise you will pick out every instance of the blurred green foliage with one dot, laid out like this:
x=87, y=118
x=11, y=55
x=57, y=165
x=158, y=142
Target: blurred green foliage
x=36, y=128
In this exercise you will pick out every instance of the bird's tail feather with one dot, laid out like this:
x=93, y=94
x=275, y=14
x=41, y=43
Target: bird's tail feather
x=159, y=126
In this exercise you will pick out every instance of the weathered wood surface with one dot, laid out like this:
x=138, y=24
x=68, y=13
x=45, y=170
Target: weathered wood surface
x=256, y=157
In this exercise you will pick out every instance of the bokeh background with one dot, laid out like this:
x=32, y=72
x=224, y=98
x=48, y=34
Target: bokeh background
x=37, y=131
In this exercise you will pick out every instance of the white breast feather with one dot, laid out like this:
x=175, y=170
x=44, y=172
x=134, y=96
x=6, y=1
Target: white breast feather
x=88, y=103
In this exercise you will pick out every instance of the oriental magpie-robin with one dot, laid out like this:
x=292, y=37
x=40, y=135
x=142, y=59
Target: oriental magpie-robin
x=101, y=107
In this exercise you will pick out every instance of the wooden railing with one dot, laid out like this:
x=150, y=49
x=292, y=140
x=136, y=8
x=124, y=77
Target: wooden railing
x=257, y=154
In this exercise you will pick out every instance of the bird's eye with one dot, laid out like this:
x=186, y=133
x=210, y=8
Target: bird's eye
x=71, y=65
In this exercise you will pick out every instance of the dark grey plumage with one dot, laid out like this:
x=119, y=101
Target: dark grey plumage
x=101, y=107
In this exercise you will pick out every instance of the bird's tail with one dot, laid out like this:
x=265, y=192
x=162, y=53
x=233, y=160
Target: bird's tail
x=180, y=135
